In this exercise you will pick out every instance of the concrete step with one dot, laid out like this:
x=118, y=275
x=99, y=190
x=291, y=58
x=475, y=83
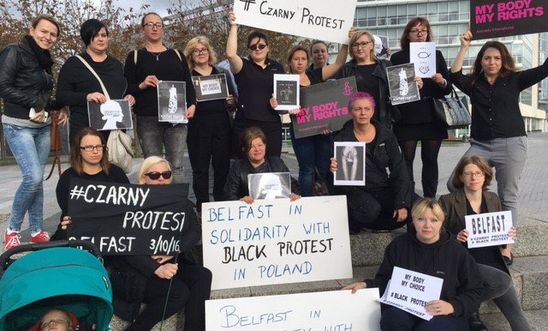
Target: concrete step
x=496, y=321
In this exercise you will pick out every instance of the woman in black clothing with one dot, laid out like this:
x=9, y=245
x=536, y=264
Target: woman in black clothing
x=255, y=80
x=418, y=120
x=209, y=132
x=78, y=85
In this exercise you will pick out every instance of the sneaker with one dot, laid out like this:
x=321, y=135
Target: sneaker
x=11, y=239
x=40, y=237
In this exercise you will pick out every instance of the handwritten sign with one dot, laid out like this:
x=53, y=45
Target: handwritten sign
x=125, y=219
x=317, y=311
x=411, y=291
x=502, y=18
x=423, y=56
x=489, y=229
x=276, y=241
x=306, y=18
x=324, y=106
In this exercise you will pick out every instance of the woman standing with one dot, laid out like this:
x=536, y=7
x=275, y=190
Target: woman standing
x=26, y=83
x=320, y=54
x=418, y=120
x=209, y=132
x=255, y=80
x=78, y=85
x=472, y=177
x=498, y=131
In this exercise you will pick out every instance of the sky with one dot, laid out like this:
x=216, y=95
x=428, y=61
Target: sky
x=159, y=6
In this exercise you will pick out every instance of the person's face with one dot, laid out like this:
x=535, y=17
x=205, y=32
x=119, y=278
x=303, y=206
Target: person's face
x=257, y=151
x=299, y=62
x=91, y=150
x=427, y=227
x=419, y=33
x=55, y=320
x=256, y=53
x=363, y=47
x=491, y=62
x=473, y=178
x=156, y=175
x=362, y=111
x=319, y=55
x=153, y=28
x=200, y=54
x=45, y=34
x=99, y=43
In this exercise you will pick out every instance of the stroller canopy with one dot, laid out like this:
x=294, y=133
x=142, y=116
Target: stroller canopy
x=61, y=277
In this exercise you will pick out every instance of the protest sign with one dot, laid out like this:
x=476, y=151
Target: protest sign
x=172, y=101
x=324, y=106
x=317, y=311
x=423, y=56
x=212, y=87
x=401, y=84
x=111, y=115
x=489, y=229
x=276, y=241
x=411, y=291
x=269, y=185
x=502, y=18
x=350, y=156
x=306, y=18
x=125, y=219
x=286, y=91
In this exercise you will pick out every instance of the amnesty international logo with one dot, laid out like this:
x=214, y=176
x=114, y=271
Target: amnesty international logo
x=247, y=3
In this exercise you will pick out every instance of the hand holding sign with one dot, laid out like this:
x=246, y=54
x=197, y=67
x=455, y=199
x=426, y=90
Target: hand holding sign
x=439, y=308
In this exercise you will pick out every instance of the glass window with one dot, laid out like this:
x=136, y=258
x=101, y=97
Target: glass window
x=442, y=7
x=360, y=13
x=372, y=12
x=381, y=11
x=411, y=10
x=391, y=11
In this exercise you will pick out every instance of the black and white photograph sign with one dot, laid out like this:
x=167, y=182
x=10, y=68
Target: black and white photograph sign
x=172, y=102
x=401, y=83
x=269, y=185
x=287, y=91
x=212, y=87
x=126, y=219
x=350, y=156
x=111, y=115
x=423, y=56
x=381, y=47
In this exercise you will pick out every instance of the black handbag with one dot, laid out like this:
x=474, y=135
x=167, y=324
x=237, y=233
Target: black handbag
x=453, y=111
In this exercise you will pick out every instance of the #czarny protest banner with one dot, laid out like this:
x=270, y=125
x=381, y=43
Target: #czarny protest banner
x=276, y=241
x=323, y=20
x=489, y=229
x=126, y=219
x=502, y=18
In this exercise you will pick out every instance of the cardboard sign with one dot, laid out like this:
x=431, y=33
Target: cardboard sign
x=125, y=219
x=489, y=229
x=411, y=291
x=286, y=91
x=111, y=115
x=306, y=18
x=276, y=241
x=317, y=311
x=423, y=56
x=172, y=101
x=212, y=87
x=502, y=18
x=324, y=106
x=401, y=84
x=350, y=156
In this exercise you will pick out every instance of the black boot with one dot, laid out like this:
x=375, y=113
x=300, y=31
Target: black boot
x=475, y=323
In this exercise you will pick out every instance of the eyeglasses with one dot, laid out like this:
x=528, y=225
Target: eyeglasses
x=90, y=148
x=361, y=45
x=257, y=46
x=153, y=25
x=415, y=31
x=200, y=51
x=57, y=321
x=155, y=175
x=473, y=174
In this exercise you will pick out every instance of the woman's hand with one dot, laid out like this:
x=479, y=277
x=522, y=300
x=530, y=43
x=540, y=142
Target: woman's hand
x=130, y=99
x=419, y=82
x=231, y=18
x=96, y=97
x=40, y=117
x=355, y=286
x=439, y=308
x=438, y=79
x=400, y=215
x=334, y=165
x=66, y=221
x=295, y=111
x=230, y=101
x=166, y=271
x=273, y=102
x=294, y=197
x=513, y=233
x=465, y=39
x=326, y=132
x=190, y=112
x=150, y=81
x=161, y=258
x=247, y=199
x=462, y=236
x=62, y=118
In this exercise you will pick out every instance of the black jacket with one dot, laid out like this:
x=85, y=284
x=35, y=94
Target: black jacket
x=445, y=259
x=386, y=155
x=23, y=83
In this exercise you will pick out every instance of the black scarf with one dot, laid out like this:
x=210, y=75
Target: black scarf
x=43, y=56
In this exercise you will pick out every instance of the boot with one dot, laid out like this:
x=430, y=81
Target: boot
x=475, y=323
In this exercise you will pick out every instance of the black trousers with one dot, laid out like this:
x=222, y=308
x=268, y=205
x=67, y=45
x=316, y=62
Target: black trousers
x=272, y=130
x=209, y=140
x=190, y=288
x=429, y=156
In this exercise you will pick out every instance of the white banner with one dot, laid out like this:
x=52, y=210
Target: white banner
x=489, y=229
x=276, y=241
x=317, y=311
x=324, y=20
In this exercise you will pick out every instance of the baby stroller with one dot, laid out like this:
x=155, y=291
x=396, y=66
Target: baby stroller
x=54, y=275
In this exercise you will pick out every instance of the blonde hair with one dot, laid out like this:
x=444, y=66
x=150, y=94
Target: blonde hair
x=420, y=207
x=148, y=163
x=357, y=36
x=190, y=48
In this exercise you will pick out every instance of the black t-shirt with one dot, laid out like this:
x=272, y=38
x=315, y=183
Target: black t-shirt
x=211, y=107
x=370, y=84
x=315, y=75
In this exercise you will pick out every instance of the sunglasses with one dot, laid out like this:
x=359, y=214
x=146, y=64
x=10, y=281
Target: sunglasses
x=257, y=46
x=155, y=175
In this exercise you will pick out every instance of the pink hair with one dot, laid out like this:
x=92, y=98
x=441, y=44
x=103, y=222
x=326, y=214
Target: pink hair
x=360, y=96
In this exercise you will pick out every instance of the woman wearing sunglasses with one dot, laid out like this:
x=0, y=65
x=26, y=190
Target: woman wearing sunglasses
x=255, y=79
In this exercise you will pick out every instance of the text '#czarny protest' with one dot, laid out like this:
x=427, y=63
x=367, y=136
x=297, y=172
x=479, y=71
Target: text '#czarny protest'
x=110, y=195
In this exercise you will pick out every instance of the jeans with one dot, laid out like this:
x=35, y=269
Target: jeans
x=154, y=135
x=501, y=290
x=30, y=147
x=395, y=319
x=429, y=156
x=312, y=152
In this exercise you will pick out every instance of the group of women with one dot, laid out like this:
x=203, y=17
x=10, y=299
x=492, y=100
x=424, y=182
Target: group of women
x=497, y=133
